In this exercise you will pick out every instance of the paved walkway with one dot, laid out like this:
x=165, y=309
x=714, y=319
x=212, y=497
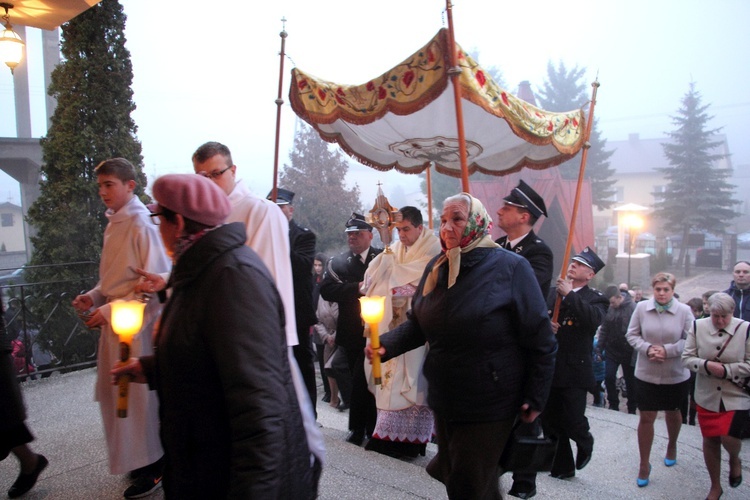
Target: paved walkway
x=66, y=423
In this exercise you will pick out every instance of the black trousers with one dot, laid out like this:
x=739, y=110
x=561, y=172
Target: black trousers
x=305, y=356
x=565, y=418
x=321, y=365
x=468, y=457
x=362, y=410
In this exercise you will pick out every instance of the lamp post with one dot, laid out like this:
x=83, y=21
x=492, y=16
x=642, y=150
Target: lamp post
x=633, y=222
x=373, y=309
x=127, y=319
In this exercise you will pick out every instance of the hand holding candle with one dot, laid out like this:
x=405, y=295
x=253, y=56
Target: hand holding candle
x=127, y=319
x=373, y=309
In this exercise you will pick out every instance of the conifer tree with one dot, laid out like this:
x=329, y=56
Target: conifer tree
x=322, y=202
x=91, y=123
x=698, y=195
x=564, y=90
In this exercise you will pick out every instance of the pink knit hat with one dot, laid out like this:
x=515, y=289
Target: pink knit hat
x=194, y=197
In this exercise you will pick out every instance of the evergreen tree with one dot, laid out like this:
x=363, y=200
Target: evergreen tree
x=91, y=123
x=698, y=195
x=322, y=202
x=564, y=90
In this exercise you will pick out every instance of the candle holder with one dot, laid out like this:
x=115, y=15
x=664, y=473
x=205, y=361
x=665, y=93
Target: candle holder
x=127, y=319
x=373, y=309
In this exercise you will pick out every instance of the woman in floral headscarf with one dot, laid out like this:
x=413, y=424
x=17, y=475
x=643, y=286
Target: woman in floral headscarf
x=491, y=353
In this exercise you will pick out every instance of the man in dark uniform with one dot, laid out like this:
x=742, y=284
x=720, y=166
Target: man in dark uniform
x=522, y=208
x=517, y=216
x=582, y=310
x=302, y=254
x=342, y=284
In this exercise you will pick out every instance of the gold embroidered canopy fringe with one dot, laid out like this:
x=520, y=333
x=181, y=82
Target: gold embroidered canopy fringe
x=405, y=118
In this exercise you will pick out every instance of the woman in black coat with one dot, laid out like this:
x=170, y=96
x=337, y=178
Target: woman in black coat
x=492, y=351
x=231, y=424
x=14, y=435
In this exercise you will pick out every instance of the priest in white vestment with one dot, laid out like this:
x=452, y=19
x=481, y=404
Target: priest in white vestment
x=404, y=422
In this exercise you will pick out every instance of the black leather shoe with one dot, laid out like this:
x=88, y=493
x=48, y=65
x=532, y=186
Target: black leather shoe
x=326, y=398
x=584, y=452
x=342, y=406
x=27, y=481
x=563, y=475
x=522, y=494
x=356, y=437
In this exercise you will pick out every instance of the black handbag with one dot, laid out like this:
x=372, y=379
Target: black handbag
x=528, y=454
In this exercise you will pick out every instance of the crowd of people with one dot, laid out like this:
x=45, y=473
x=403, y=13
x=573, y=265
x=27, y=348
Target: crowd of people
x=478, y=344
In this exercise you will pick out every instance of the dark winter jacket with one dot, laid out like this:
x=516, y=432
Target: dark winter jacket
x=302, y=247
x=613, y=329
x=491, y=342
x=12, y=409
x=230, y=422
x=741, y=301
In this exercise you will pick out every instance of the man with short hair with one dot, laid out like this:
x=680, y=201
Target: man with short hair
x=342, y=284
x=404, y=421
x=739, y=290
x=618, y=351
x=267, y=227
x=267, y=231
x=518, y=214
x=302, y=254
x=581, y=312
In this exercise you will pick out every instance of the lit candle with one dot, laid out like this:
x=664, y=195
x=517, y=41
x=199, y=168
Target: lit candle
x=127, y=319
x=372, y=312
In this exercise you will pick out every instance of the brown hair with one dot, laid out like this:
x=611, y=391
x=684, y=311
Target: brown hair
x=211, y=149
x=664, y=278
x=118, y=167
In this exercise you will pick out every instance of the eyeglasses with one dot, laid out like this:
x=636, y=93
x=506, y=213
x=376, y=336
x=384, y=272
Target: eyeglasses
x=215, y=174
x=155, y=218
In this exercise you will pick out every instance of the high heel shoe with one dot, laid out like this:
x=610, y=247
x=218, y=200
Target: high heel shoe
x=721, y=492
x=670, y=462
x=736, y=480
x=643, y=482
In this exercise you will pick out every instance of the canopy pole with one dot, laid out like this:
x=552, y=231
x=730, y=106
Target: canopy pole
x=279, y=101
x=574, y=215
x=455, y=71
x=429, y=197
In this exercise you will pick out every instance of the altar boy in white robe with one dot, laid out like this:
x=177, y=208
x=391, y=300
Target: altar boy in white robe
x=131, y=241
x=404, y=423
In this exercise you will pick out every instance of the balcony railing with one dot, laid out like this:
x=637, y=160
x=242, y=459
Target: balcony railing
x=48, y=335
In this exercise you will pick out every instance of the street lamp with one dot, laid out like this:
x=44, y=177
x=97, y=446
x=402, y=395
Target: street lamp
x=634, y=223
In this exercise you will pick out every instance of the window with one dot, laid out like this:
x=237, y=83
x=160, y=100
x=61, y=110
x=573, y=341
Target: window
x=658, y=193
x=6, y=220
